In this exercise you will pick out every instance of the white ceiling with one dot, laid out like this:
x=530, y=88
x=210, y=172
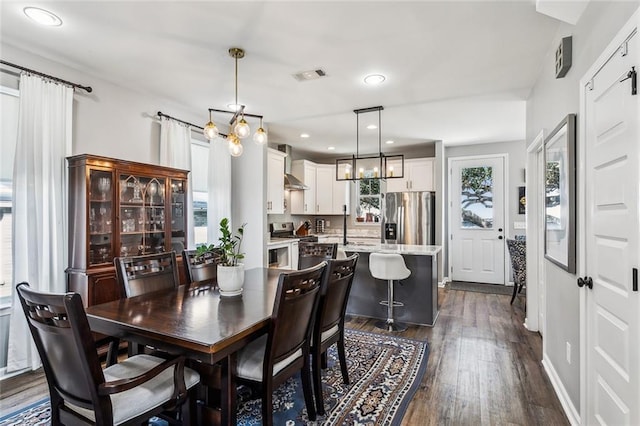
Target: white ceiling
x=456, y=71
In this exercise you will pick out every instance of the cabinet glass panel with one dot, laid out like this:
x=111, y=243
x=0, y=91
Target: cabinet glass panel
x=178, y=215
x=100, y=217
x=142, y=215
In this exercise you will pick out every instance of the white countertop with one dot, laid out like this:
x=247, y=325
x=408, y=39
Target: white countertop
x=392, y=248
x=281, y=241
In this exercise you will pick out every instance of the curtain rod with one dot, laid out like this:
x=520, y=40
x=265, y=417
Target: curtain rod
x=161, y=114
x=88, y=89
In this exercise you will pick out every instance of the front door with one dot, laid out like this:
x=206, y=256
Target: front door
x=612, y=238
x=477, y=219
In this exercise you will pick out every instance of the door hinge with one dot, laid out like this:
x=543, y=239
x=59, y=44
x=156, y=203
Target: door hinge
x=633, y=75
x=590, y=85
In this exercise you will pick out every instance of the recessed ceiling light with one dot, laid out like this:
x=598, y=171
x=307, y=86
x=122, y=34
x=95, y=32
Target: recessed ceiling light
x=389, y=142
x=374, y=79
x=304, y=135
x=42, y=17
x=331, y=148
x=372, y=126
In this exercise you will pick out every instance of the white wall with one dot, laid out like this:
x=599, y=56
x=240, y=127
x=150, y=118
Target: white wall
x=550, y=101
x=119, y=122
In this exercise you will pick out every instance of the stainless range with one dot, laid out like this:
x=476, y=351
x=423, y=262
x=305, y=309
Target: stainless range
x=286, y=230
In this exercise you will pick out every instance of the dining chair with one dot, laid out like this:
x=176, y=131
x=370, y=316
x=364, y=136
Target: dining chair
x=329, y=324
x=272, y=358
x=518, y=253
x=202, y=268
x=310, y=253
x=80, y=391
x=147, y=273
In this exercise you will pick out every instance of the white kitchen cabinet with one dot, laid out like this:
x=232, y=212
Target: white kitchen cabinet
x=325, y=195
x=341, y=194
x=275, y=181
x=304, y=202
x=419, y=175
x=325, y=177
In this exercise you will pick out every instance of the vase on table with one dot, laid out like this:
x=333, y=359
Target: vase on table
x=230, y=280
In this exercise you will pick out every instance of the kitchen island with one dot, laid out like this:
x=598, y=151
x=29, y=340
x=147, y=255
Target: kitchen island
x=419, y=292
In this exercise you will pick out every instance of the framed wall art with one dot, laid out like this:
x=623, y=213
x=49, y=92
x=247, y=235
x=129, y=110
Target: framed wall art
x=560, y=194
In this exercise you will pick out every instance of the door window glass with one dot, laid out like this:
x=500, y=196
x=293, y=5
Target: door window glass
x=476, y=197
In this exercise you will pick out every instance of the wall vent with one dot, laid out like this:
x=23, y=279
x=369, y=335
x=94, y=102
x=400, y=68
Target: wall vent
x=310, y=75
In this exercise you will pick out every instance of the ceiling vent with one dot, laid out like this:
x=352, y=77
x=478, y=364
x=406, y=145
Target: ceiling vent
x=310, y=75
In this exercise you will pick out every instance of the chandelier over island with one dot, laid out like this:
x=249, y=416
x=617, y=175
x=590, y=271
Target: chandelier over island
x=238, y=127
x=369, y=166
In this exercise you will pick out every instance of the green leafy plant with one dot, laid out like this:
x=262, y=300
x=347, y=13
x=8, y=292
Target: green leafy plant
x=230, y=244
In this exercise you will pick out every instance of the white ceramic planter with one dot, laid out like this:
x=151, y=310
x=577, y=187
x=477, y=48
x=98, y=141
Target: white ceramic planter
x=230, y=280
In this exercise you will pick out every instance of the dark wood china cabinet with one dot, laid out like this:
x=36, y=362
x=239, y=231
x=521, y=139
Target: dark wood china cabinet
x=120, y=208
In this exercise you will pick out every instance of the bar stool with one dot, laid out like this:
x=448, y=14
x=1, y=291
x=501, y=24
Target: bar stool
x=390, y=267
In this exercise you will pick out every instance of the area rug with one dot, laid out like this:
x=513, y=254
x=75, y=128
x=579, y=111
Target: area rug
x=385, y=372
x=480, y=287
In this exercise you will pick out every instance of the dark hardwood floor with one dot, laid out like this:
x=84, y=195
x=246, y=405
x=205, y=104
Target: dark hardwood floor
x=484, y=367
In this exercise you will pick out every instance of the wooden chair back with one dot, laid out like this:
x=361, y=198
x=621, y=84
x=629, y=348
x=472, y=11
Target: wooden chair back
x=310, y=254
x=202, y=269
x=334, y=294
x=296, y=299
x=147, y=273
x=62, y=335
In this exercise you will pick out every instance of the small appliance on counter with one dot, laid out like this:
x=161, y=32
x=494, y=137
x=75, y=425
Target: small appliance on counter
x=320, y=226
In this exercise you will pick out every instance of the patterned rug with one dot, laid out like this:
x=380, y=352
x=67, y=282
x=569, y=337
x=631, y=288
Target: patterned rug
x=385, y=372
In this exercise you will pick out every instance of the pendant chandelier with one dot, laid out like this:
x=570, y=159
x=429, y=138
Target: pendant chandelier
x=378, y=166
x=238, y=127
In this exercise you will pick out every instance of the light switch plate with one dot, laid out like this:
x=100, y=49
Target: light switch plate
x=519, y=225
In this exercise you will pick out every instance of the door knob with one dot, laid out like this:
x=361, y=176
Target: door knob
x=586, y=281
x=499, y=237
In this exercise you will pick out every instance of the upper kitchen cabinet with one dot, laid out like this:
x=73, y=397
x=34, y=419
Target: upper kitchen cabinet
x=419, y=175
x=275, y=181
x=120, y=208
x=304, y=201
x=325, y=195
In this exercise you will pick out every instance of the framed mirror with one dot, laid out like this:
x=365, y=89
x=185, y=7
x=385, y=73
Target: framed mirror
x=560, y=194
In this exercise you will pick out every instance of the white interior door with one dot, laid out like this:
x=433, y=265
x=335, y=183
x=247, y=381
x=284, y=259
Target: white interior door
x=612, y=236
x=477, y=220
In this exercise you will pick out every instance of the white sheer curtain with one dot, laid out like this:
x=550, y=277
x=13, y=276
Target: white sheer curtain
x=175, y=151
x=39, y=202
x=219, y=204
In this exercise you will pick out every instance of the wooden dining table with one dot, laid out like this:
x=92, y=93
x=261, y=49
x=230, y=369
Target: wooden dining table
x=196, y=321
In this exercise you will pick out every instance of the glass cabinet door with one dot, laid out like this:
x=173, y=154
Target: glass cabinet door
x=100, y=217
x=142, y=215
x=178, y=215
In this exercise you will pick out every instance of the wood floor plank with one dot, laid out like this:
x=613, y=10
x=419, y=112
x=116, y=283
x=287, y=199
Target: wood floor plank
x=483, y=369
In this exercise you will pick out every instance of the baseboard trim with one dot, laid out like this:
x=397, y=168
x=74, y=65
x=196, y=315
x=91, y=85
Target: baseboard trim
x=568, y=407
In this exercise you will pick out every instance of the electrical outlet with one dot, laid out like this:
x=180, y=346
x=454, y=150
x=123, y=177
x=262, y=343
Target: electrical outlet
x=328, y=223
x=569, y=352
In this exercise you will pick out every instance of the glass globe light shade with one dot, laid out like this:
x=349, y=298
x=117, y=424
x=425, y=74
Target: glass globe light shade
x=242, y=129
x=210, y=131
x=260, y=136
x=235, y=149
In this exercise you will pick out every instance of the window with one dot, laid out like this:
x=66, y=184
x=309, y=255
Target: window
x=368, y=205
x=199, y=178
x=9, y=105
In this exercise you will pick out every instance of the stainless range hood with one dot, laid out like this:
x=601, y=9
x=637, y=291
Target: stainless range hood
x=290, y=181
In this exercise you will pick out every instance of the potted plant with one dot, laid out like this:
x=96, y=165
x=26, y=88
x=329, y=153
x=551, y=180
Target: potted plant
x=230, y=269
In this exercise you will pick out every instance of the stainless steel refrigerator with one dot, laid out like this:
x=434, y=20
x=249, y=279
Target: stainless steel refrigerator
x=408, y=218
